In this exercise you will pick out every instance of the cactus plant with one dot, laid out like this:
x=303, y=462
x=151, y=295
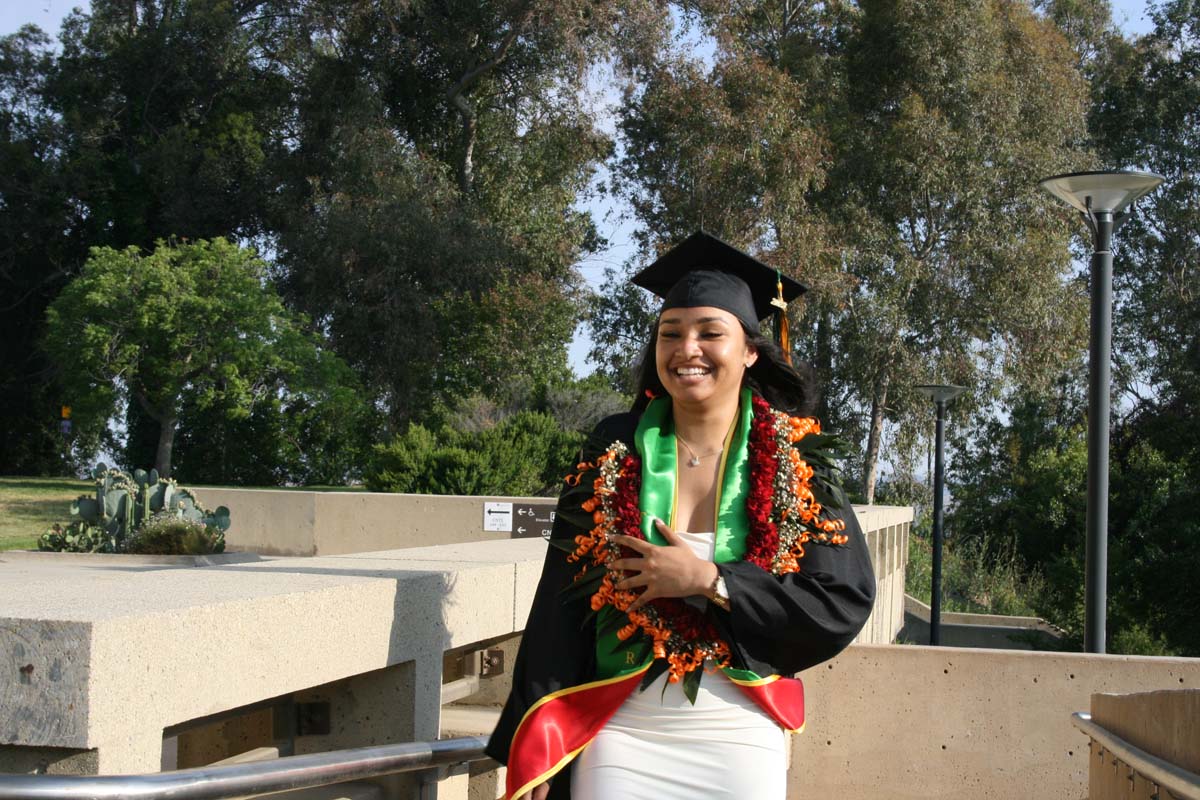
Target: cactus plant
x=107, y=521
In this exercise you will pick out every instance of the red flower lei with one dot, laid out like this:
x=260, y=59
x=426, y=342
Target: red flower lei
x=782, y=512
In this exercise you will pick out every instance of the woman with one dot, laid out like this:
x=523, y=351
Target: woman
x=699, y=559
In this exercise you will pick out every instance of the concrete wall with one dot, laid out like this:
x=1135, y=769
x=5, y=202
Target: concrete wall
x=276, y=522
x=898, y=722
x=1165, y=724
x=978, y=630
x=886, y=529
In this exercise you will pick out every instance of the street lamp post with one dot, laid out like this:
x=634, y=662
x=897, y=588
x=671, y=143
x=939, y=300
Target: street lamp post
x=940, y=394
x=1101, y=198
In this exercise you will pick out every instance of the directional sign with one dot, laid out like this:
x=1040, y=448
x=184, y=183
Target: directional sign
x=532, y=519
x=498, y=517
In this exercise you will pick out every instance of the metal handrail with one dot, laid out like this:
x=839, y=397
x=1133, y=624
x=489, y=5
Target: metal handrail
x=1179, y=782
x=238, y=780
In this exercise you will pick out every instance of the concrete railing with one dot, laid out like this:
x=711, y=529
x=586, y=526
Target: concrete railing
x=128, y=665
x=124, y=666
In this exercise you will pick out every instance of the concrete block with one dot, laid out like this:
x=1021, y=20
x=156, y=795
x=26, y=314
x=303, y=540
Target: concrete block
x=44, y=688
x=18, y=759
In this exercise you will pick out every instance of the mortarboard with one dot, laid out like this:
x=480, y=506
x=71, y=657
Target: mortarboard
x=702, y=270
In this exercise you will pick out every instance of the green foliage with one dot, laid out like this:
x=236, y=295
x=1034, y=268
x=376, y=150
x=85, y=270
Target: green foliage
x=1022, y=489
x=149, y=121
x=976, y=579
x=412, y=168
x=619, y=323
x=108, y=520
x=871, y=150
x=190, y=327
x=77, y=537
x=167, y=534
x=436, y=241
x=523, y=455
x=1022, y=480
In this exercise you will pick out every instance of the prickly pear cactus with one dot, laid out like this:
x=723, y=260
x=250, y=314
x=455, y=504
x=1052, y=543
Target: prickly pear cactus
x=107, y=521
x=101, y=521
x=78, y=537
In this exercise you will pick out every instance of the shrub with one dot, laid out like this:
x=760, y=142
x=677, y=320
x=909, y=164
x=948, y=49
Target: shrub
x=524, y=454
x=167, y=534
x=976, y=578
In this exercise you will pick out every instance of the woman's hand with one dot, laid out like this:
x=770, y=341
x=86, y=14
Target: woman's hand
x=538, y=792
x=671, y=571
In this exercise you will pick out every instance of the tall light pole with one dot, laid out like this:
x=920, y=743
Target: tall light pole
x=940, y=394
x=1101, y=198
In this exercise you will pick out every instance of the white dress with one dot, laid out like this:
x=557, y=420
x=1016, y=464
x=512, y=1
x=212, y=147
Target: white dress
x=658, y=746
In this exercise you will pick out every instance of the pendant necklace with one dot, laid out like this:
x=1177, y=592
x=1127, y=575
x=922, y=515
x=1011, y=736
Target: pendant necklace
x=694, y=461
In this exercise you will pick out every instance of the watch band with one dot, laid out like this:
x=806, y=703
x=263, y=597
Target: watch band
x=720, y=594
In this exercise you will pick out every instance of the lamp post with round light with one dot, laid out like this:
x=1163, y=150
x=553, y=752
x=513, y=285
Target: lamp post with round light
x=940, y=394
x=1101, y=198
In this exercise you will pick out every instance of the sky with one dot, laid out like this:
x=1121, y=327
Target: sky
x=612, y=217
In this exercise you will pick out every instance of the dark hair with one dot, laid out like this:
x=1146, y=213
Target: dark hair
x=787, y=387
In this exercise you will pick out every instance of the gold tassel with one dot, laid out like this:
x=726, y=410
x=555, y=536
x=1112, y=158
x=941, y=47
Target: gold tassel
x=781, y=320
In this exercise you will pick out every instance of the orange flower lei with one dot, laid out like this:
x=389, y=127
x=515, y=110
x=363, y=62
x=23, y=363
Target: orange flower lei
x=783, y=514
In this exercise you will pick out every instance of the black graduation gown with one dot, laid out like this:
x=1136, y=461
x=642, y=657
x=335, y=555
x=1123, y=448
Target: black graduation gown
x=778, y=625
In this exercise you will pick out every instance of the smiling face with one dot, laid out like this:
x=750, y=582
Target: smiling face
x=701, y=354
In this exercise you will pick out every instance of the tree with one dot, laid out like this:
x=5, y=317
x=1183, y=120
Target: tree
x=36, y=258
x=156, y=119
x=402, y=164
x=427, y=218
x=887, y=154
x=187, y=326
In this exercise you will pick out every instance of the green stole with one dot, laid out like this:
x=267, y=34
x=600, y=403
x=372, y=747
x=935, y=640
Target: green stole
x=656, y=445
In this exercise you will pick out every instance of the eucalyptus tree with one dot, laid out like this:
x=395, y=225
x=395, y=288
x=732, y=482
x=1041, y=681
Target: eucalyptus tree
x=887, y=154
x=427, y=218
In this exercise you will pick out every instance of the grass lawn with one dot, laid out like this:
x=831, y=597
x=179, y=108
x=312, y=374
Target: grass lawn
x=30, y=505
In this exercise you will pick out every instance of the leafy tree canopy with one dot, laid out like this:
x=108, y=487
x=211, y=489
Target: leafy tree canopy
x=188, y=326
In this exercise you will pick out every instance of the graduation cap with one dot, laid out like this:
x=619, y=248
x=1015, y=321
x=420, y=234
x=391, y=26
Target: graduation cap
x=702, y=270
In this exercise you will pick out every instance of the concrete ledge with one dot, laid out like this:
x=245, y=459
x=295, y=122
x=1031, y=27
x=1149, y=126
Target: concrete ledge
x=134, y=648
x=979, y=630
x=276, y=522
x=129, y=651
x=900, y=722
x=126, y=559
